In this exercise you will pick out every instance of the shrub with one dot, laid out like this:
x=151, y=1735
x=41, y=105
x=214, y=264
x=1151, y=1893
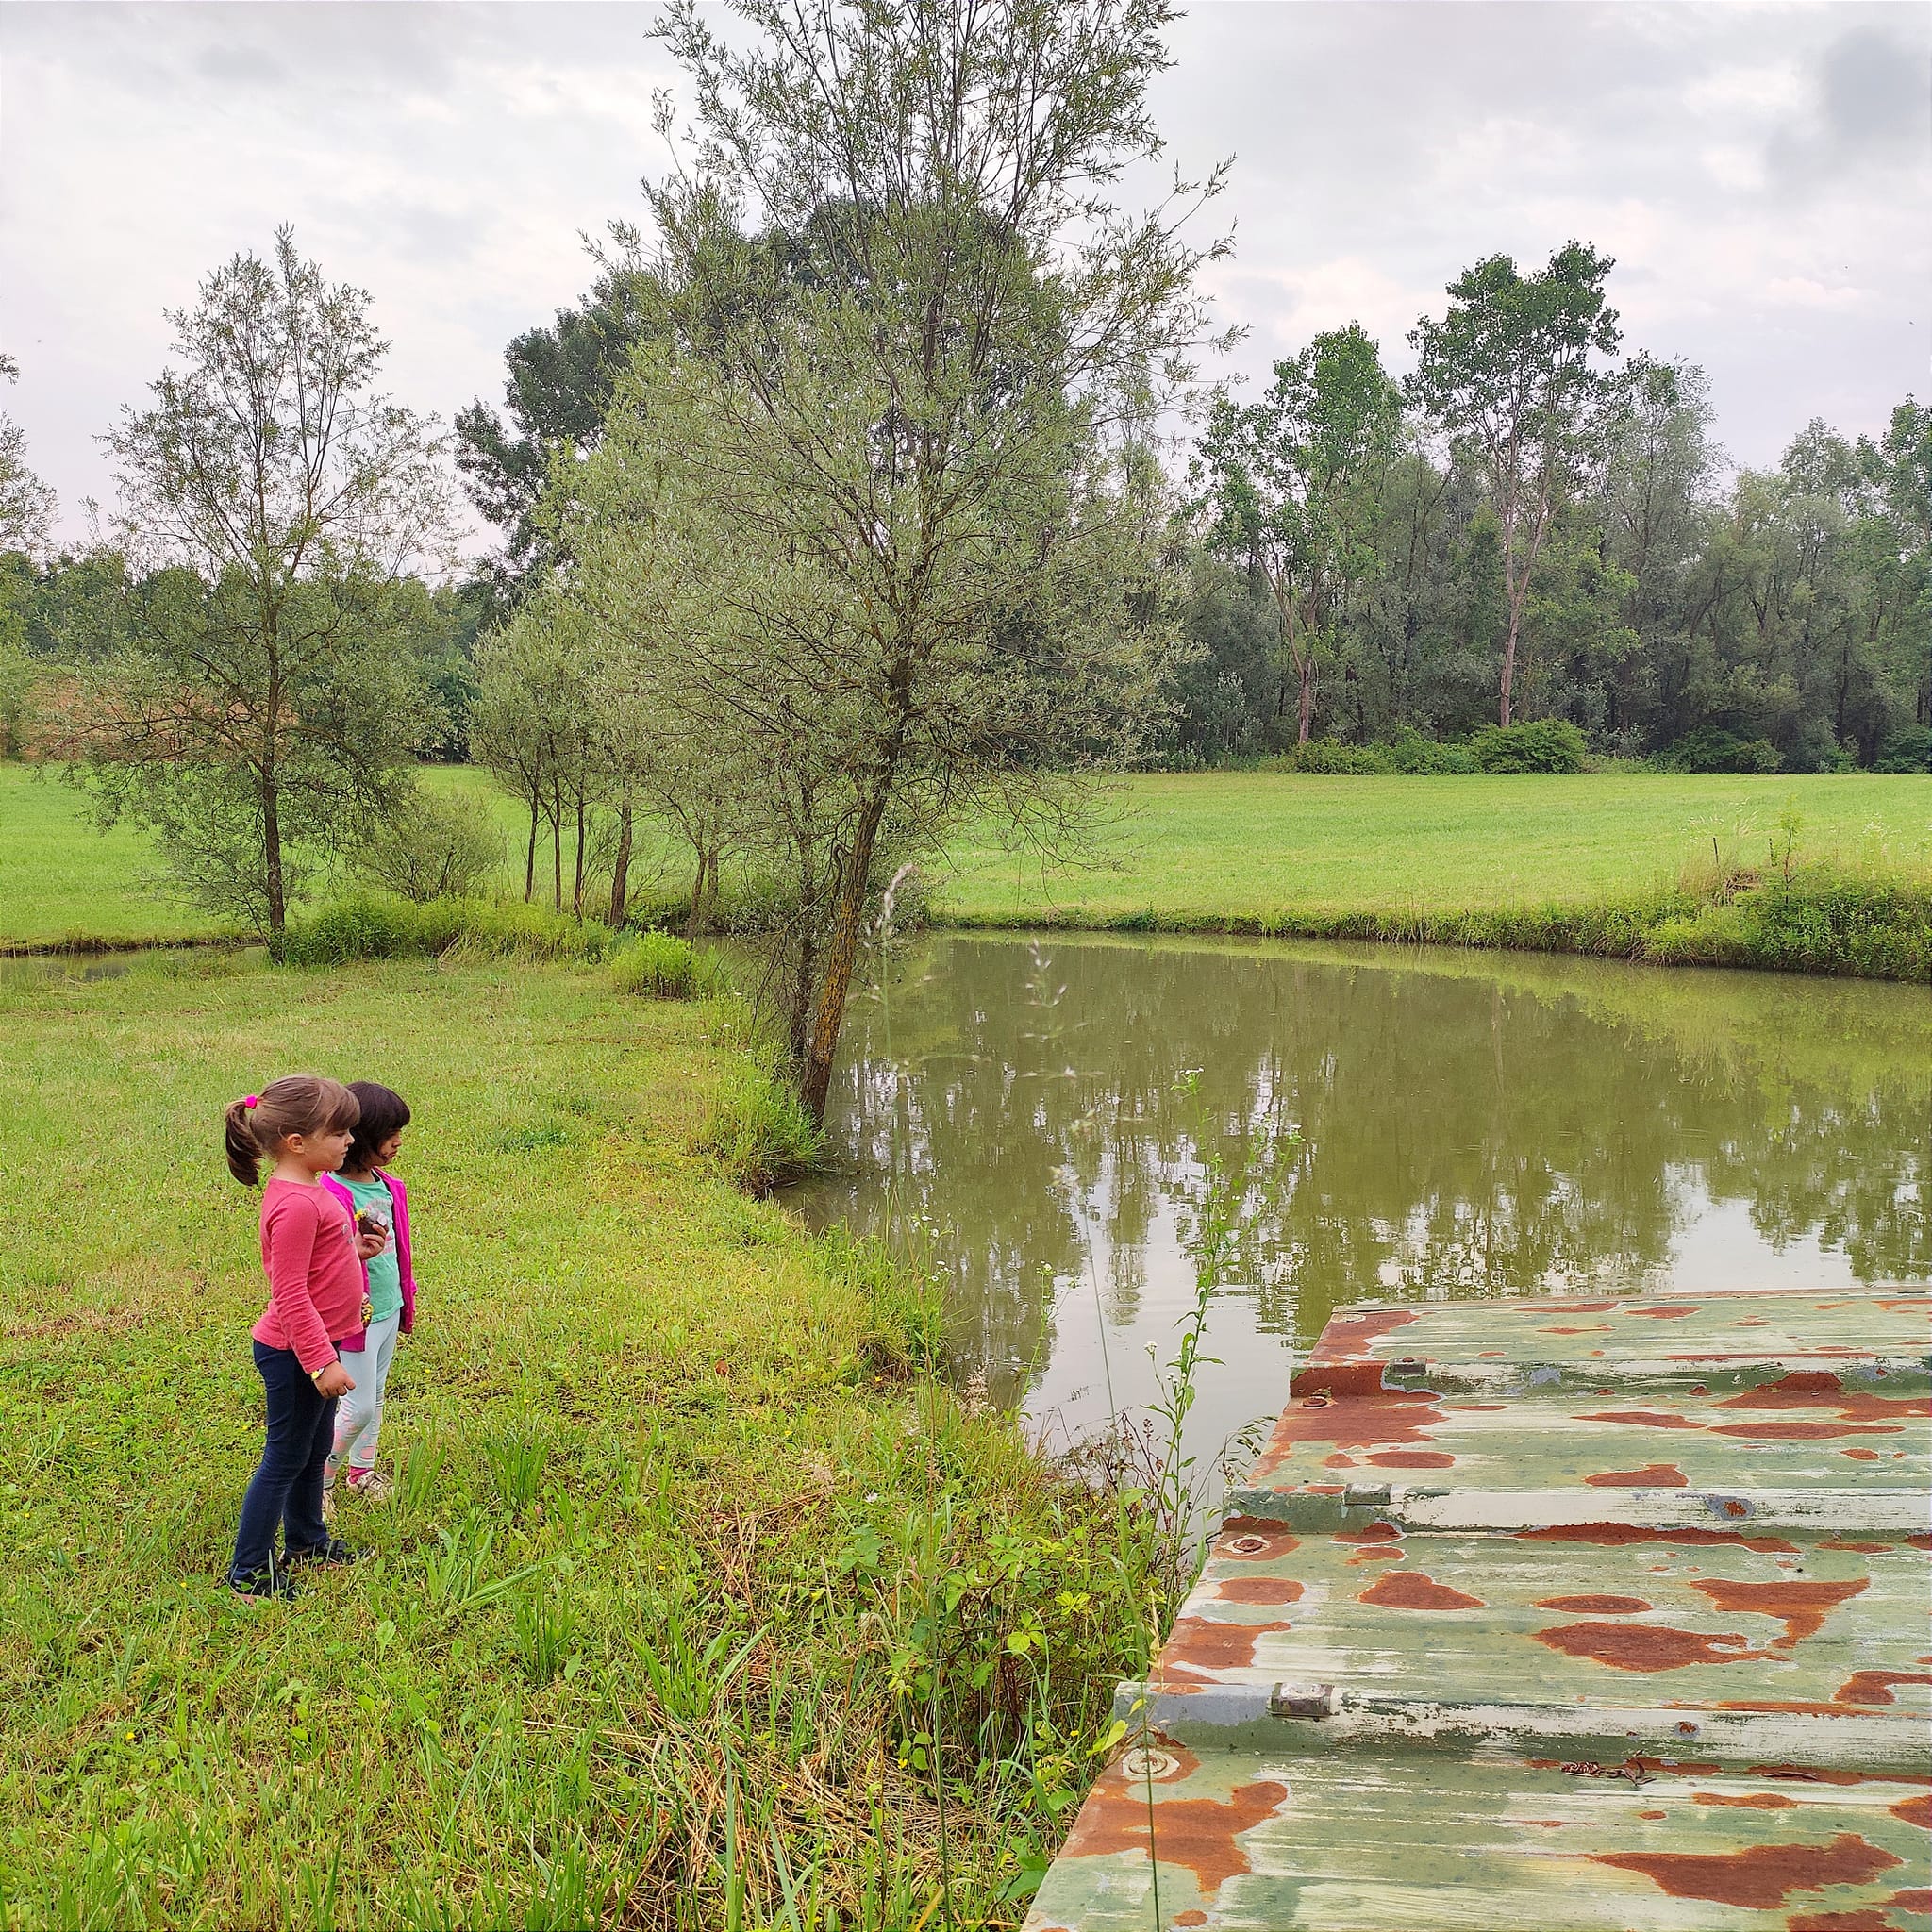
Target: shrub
x=1906, y=749
x=759, y=1131
x=1544, y=744
x=1330, y=757
x=433, y=848
x=656, y=966
x=377, y=926
x=1412, y=752
x=1708, y=749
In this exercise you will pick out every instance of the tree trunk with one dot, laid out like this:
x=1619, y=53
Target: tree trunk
x=530, y=855
x=577, y=898
x=557, y=853
x=1509, y=661
x=272, y=864
x=843, y=950
x=694, y=912
x=619, y=866
x=1305, y=703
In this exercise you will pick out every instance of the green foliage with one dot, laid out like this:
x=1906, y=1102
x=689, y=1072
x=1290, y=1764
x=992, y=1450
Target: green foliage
x=430, y=847
x=377, y=926
x=1907, y=749
x=759, y=1131
x=1708, y=749
x=1547, y=744
x=660, y=967
x=17, y=681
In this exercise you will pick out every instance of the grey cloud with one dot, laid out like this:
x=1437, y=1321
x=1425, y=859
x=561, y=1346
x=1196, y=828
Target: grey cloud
x=1874, y=90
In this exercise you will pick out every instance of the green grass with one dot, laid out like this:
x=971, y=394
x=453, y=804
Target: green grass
x=1199, y=848
x=60, y=879
x=696, y=1597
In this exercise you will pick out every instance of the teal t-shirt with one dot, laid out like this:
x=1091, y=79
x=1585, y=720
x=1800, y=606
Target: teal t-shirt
x=373, y=1199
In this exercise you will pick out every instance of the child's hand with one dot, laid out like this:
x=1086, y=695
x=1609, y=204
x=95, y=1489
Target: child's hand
x=369, y=1245
x=334, y=1380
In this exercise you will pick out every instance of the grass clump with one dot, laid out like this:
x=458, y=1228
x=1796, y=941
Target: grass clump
x=759, y=1130
x=659, y=966
x=681, y=1616
x=379, y=926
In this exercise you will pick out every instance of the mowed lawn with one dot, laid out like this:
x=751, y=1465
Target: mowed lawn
x=1204, y=845
x=1182, y=847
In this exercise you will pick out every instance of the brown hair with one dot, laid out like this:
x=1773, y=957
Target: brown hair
x=295, y=1103
x=384, y=1113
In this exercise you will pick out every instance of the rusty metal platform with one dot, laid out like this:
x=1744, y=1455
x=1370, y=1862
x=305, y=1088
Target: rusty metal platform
x=1551, y=1616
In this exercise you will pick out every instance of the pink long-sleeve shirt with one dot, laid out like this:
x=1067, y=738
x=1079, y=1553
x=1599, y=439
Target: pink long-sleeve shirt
x=314, y=1273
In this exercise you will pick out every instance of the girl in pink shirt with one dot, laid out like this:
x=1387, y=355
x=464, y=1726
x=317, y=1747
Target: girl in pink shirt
x=300, y=1125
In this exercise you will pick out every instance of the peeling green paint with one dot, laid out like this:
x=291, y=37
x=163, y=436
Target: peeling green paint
x=1529, y=1618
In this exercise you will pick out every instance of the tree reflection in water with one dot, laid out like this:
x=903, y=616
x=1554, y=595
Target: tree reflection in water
x=1470, y=1124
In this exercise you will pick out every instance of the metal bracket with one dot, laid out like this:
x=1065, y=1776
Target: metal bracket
x=1302, y=1700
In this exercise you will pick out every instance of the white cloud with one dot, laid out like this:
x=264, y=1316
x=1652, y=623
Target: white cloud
x=1760, y=172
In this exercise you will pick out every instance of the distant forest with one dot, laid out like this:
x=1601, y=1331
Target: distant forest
x=1349, y=564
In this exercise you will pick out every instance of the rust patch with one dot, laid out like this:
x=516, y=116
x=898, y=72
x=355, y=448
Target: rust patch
x=1643, y=1419
x=1594, y=1328
x=1757, y=1801
x=1191, y=1918
x=1411, y=1458
x=1916, y=1900
x=1208, y=1644
x=1409, y=1590
x=1350, y=1422
x=1608, y=1535
x=1761, y=1876
x=1254, y=1539
x=1653, y=1476
x=1594, y=1606
x=1259, y=1589
x=1350, y=1332
x=1802, y=1432
x=1644, y=1646
x=1867, y=1919
x=1380, y=1531
x=1860, y=1455
x=1874, y=1687
x=1914, y=1811
x=1801, y=1607
x=1199, y=1834
x=1379, y=1554
x=1674, y=1313
x=1820, y=1389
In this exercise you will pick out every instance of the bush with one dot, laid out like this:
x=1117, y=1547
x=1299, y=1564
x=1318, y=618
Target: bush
x=433, y=848
x=759, y=1131
x=1907, y=749
x=376, y=926
x=1708, y=749
x=1424, y=757
x=656, y=966
x=1330, y=757
x=1546, y=745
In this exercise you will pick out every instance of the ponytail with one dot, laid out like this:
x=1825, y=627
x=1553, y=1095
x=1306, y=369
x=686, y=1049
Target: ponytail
x=296, y=1104
x=244, y=1155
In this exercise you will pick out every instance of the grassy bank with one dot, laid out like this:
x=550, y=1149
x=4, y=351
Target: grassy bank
x=1673, y=870
x=1830, y=874
x=696, y=1599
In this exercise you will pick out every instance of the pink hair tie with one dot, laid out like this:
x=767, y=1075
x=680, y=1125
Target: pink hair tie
x=251, y=1100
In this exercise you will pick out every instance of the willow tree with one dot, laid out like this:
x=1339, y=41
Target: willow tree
x=264, y=703
x=905, y=311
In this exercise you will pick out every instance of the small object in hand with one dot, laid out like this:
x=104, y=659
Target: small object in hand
x=367, y=1223
x=368, y=1312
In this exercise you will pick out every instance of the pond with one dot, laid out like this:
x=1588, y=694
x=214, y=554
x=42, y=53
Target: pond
x=1070, y=1129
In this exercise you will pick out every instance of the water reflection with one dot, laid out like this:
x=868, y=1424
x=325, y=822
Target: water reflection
x=1040, y=1113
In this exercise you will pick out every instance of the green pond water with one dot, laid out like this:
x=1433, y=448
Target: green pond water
x=1068, y=1129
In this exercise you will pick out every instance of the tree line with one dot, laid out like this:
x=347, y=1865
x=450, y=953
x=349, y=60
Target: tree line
x=844, y=509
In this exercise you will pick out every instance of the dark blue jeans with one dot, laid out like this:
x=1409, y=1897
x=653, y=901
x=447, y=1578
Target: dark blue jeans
x=287, y=1489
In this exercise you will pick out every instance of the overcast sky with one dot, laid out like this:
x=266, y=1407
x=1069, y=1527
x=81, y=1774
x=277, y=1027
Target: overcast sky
x=1762, y=173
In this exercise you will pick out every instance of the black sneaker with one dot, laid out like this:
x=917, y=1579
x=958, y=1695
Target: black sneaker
x=334, y=1551
x=273, y=1582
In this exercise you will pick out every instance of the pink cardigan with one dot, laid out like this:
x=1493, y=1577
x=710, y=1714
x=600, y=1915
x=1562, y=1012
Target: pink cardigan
x=356, y=1341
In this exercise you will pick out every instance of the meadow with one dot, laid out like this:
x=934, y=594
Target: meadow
x=1821, y=874
x=1193, y=850
x=701, y=1603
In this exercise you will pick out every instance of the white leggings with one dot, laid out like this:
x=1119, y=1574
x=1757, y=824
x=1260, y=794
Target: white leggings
x=358, y=1414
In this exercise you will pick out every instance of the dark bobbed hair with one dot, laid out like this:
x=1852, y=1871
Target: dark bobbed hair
x=295, y=1103
x=384, y=1113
